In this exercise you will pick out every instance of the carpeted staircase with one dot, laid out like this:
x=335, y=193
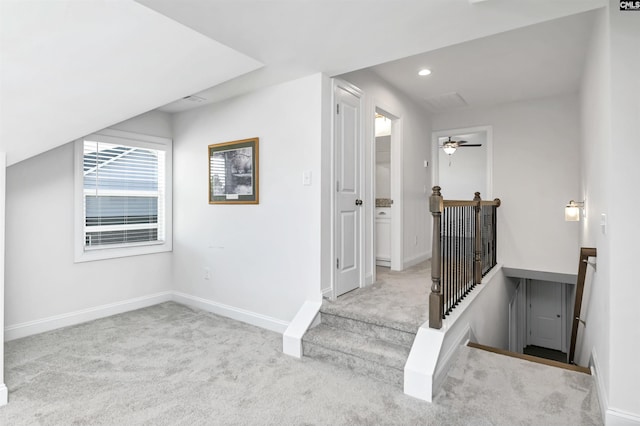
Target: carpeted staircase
x=367, y=345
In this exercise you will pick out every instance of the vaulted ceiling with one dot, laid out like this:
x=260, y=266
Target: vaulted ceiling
x=71, y=67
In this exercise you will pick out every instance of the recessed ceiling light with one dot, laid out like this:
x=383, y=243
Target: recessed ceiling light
x=424, y=72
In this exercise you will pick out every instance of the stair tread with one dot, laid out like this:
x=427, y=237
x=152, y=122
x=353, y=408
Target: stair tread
x=332, y=308
x=365, y=347
x=387, y=334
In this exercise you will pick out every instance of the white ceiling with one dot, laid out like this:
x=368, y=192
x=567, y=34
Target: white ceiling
x=295, y=38
x=72, y=67
x=536, y=61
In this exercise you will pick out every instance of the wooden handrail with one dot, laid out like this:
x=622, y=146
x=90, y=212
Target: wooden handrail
x=458, y=203
x=459, y=250
x=585, y=254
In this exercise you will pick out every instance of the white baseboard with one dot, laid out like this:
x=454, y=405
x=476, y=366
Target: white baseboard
x=618, y=418
x=4, y=394
x=29, y=328
x=243, y=315
x=326, y=293
x=416, y=259
x=368, y=280
x=600, y=388
x=610, y=416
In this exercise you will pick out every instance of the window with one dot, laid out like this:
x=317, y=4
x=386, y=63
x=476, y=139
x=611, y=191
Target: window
x=123, y=195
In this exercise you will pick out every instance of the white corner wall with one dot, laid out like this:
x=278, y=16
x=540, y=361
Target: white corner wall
x=416, y=148
x=593, y=340
x=623, y=230
x=44, y=288
x=3, y=165
x=536, y=171
x=265, y=259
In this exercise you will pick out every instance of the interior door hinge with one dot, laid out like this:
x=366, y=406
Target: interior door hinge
x=337, y=186
x=337, y=263
x=337, y=108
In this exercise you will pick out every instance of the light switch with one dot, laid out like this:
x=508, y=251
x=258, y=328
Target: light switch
x=603, y=223
x=306, y=178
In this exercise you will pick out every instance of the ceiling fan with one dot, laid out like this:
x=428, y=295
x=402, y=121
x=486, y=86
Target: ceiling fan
x=449, y=147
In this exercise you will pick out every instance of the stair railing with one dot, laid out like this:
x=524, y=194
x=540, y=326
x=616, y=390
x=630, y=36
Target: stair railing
x=463, y=251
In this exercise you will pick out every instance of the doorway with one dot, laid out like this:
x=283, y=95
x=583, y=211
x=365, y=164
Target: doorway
x=386, y=190
x=348, y=179
x=382, y=188
x=547, y=315
x=463, y=162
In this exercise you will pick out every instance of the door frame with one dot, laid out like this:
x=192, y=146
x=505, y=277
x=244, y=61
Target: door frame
x=397, y=257
x=563, y=313
x=338, y=83
x=435, y=170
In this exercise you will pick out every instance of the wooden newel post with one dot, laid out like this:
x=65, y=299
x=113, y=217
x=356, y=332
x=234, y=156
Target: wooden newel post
x=436, y=299
x=477, y=253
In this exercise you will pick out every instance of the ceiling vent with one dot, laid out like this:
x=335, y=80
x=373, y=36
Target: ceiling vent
x=194, y=98
x=445, y=102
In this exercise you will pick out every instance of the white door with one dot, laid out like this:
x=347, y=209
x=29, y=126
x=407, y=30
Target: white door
x=348, y=204
x=545, y=307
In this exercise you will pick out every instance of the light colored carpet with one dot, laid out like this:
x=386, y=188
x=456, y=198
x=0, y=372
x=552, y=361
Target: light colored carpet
x=173, y=365
x=519, y=392
x=397, y=299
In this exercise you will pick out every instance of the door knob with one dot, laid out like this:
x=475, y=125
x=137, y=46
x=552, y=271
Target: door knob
x=358, y=202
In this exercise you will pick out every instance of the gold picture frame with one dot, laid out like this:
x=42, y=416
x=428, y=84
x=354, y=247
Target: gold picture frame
x=233, y=172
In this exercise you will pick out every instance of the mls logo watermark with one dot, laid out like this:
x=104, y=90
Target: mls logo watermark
x=630, y=5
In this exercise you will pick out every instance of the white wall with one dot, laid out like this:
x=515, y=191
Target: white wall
x=623, y=229
x=3, y=165
x=536, y=171
x=416, y=147
x=595, y=173
x=265, y=259
x=41, y=279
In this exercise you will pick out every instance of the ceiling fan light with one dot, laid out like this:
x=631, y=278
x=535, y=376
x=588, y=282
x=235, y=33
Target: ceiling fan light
x=449, y=149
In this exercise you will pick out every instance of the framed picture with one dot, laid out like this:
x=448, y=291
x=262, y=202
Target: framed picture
x=233, y=172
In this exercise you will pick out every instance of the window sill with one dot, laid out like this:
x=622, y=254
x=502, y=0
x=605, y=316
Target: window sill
x=118, y=252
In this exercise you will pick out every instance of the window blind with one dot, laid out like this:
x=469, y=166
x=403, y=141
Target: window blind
x=124, y=195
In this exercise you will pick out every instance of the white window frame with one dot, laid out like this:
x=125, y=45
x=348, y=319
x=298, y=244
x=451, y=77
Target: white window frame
x=83, y=254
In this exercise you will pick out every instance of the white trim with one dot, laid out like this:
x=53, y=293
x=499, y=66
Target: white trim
x=232, y=312
x=397, y=194
x=304, y=319
x=610, y=416
x=435, y=154
x=427, y=364
x=368, y=280
x=445, y=361
x=3, y=171
x=419, y=258
x=109, y=252
x=29, y=328
x=600, y=387
x=4, y=394
x=327, y=292
x=421, y=363
x=355, y=91
x=396, y=262
x=619, y=418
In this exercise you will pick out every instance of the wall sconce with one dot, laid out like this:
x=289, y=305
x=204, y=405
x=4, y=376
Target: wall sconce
x=572, y=211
